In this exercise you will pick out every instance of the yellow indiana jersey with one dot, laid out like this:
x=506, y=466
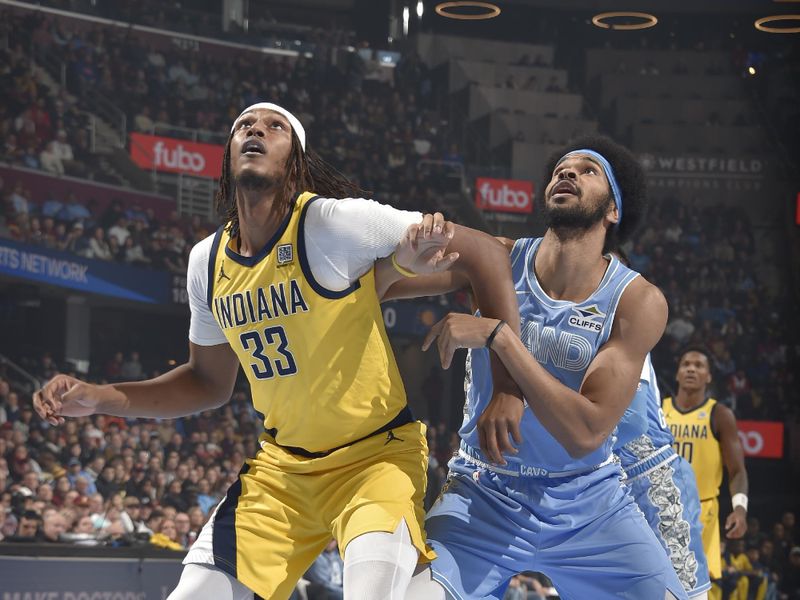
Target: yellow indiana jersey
x=697, y=443
x=320, y=366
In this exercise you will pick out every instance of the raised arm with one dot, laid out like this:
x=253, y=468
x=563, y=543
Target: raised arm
x=395, y=286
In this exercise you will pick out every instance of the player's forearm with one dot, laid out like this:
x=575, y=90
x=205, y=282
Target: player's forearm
x=484, y=263
x=178, y=393
x=738, y=483
x=488, y=270
x=385, y=276
x=571, y=418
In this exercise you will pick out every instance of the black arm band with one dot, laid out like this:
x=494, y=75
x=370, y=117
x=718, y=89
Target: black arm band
x=492, y=335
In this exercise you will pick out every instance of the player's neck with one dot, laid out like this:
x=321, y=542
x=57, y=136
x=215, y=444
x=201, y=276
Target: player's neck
x=689, y=399
x=570, y=267
x=259, y=219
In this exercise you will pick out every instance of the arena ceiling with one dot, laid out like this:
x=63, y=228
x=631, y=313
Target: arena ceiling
x=671, y=6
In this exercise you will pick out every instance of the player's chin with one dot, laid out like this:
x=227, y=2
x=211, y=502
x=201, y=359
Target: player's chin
x=253, y=176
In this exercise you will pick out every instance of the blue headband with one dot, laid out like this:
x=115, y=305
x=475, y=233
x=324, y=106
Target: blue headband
x=616, y=193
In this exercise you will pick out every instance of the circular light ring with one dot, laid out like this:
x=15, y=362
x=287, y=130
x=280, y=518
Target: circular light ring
x=443, y=9
x=761, y=24
x=648, y=20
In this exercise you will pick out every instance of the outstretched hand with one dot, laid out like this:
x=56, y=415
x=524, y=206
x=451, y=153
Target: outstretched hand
x=65, y=396
x=423, y=248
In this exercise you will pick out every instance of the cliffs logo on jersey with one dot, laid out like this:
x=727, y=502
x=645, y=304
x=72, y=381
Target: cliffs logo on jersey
x=589, y=318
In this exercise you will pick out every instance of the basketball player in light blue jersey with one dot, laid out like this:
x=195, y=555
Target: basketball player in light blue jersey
x=662, y=483
x=552, y=500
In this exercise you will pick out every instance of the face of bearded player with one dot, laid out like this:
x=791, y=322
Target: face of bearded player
x=578, y=195
x=260, y=147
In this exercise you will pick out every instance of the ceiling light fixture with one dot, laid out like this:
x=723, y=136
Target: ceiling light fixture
x=762, y=24
x=445, y=9
x=647, y=20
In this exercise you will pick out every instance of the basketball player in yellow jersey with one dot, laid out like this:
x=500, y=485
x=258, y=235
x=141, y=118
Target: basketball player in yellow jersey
x=286, y=289
x=706, y=435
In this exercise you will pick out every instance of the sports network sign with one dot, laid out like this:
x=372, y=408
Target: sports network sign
x=176, y=156
x=504, y=195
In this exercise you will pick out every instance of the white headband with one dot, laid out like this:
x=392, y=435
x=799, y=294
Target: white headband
x=296, y=126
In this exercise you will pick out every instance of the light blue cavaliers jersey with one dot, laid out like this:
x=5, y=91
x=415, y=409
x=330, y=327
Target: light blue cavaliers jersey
x=564, y=337
x=639, y=444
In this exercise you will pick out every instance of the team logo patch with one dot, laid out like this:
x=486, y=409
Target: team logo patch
x=285, y=254
x=590, y=318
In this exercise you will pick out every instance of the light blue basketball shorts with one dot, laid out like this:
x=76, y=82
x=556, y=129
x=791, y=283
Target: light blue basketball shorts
x=665, y=490
x=583, y=531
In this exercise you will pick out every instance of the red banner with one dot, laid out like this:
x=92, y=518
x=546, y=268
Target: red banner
x=176, y=156
x=797, y=210
x=761, y=439
x=504, y=195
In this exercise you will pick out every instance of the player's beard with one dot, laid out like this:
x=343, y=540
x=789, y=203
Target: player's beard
x=575, y=219
x=254, y=182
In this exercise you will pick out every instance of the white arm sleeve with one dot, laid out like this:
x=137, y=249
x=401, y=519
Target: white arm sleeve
x=203, y=328
x=345, y=237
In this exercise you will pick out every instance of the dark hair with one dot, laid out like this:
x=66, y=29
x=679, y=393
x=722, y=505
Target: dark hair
x=305, y=172
x=696, y=348
x=630, y=177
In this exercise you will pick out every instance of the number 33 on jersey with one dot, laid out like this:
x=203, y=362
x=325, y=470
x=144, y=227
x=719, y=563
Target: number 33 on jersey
x=320, y=372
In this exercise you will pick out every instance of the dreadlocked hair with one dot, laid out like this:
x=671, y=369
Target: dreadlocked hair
x=305, y=171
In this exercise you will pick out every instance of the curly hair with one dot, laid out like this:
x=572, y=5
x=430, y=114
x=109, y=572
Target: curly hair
x=630, y=177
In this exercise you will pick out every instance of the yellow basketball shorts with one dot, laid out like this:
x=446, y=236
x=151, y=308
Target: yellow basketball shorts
x=283, y=509
x=709, y=515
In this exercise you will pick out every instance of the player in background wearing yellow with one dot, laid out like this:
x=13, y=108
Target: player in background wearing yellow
x=706, y=435
x=286, y=289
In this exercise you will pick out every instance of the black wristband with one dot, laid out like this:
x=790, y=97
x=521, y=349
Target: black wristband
x=492, y=335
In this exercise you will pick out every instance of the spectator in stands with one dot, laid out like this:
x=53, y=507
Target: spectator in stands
x=183, y=530
x=788, y=522
x=132, y=368
x=789, y=583
x=50, y=160
x=119, y=230
x=74, y=210
x=28, y=528
x=205, y=500
x=515, y=590
x=326, y=575
x=98, y=247
x=53, y=526
x=763, y=582
x=133, y=253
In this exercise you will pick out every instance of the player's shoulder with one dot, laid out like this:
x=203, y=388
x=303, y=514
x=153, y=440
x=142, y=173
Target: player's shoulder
x=643, y=298
x=349, y=212
x=721, y=414
x=508, y=243
x=200, y=252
